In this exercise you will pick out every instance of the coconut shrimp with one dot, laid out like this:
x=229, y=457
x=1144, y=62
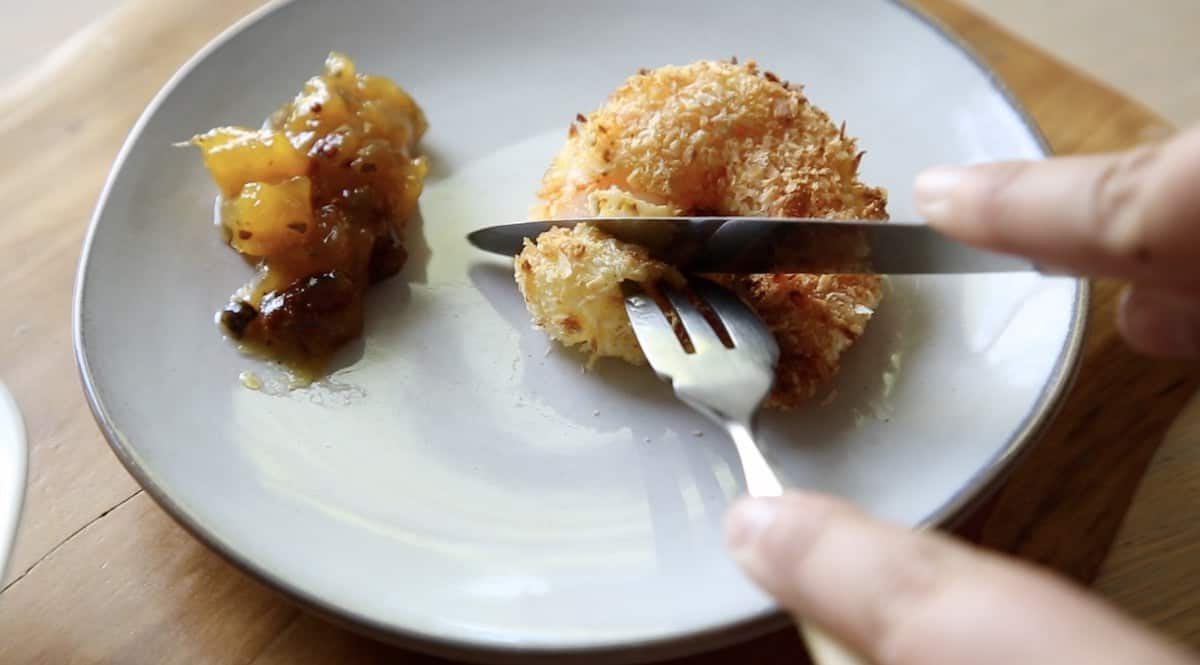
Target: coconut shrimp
x=705, y=138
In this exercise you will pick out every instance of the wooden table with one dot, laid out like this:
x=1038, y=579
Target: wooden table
x=101, y=574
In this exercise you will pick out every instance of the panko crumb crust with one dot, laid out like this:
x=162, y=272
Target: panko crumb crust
x=706, y=138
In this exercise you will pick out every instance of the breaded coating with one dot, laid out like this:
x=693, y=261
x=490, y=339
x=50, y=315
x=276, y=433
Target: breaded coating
x=571, y=280
x=814, y=318
x=706, y=138
x=711, y=136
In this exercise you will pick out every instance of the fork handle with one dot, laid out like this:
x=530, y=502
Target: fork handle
x=761, y=481
x=824, y=650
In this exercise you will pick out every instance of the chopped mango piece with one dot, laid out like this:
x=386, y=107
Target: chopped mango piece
x=317, y=111
x=340, y=67
x=272, y=219
x=235, y=156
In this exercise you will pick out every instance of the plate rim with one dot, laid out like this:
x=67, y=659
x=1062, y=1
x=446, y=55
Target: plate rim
x=12, y=499
x=679, y=643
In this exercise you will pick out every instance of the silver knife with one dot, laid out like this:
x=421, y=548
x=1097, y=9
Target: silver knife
x=775, y=244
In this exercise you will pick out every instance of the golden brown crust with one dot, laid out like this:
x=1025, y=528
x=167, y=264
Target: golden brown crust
x=710, y=137
x=571, y=281
x=814, y=318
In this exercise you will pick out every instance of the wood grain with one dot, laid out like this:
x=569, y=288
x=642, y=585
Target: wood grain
x=80, y=105
x=102, y=575
x=1153, y=570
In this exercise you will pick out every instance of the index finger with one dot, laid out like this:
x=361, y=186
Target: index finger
x=1133, y=215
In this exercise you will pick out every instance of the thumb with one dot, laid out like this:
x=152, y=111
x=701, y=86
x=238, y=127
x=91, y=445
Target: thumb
x=907, y=598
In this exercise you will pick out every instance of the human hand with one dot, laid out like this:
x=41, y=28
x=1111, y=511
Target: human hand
x=901, y=597
x=1133, y=215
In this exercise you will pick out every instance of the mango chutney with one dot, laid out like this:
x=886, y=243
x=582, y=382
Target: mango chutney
x=318, y=200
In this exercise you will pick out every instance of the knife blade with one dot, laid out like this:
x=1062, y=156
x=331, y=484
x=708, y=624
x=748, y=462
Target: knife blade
x=776, y=245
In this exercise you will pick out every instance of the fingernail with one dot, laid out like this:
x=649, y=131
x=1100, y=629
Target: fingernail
x=1161, y=324
x=933, y=192
x=747, y=521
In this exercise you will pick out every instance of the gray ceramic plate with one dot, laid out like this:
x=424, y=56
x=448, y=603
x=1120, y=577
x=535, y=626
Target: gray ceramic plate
x=461, y=486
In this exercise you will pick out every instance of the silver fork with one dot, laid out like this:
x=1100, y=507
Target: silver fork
x=727, y=382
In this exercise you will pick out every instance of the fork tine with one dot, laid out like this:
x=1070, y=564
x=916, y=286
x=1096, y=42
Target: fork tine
x=699, y=330
x=653, y=330
x=742, y=324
